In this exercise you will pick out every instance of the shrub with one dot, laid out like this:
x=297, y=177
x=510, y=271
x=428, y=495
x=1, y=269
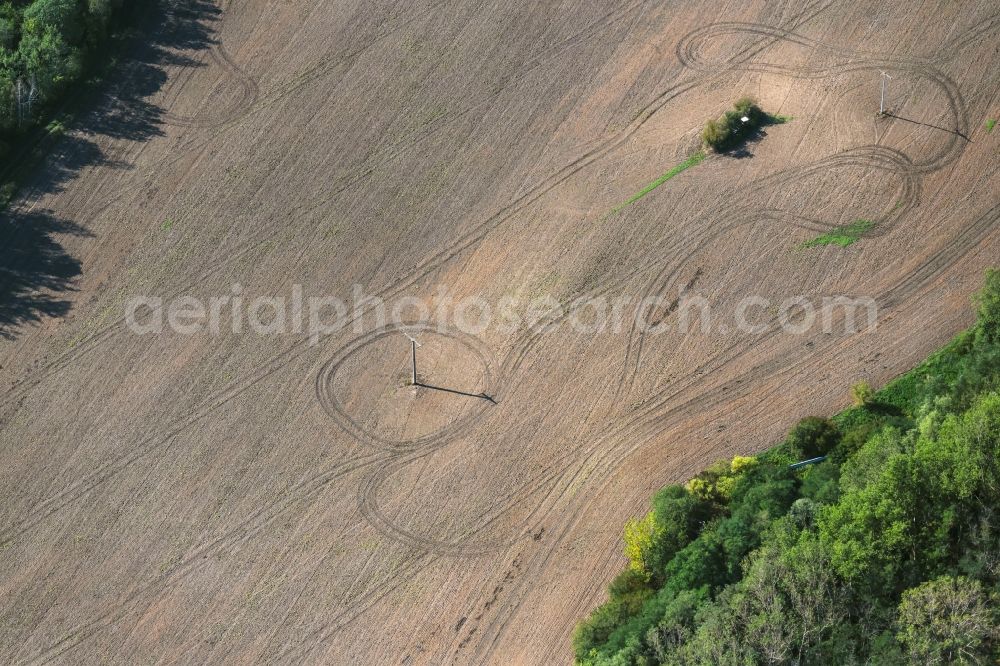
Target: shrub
x=639, y=538
x=627, y=595
x=813, y=436
x=730, y=129
x=715, y=134
x=742, y=463
x=988, y=306
x=862, y=394
x=747, y=106
x=678, y=517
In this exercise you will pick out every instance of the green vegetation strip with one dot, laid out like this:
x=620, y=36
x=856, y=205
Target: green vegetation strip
x=843, y=236
x=990, y=124
x=683, y=166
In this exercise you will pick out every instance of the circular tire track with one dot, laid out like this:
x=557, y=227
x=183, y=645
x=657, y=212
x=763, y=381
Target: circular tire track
x=328, y=399
x=247, y=93
x=980, y=229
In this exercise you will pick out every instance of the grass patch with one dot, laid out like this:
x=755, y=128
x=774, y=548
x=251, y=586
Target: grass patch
x=842, y=236
x=683, y=166
x=990, y=124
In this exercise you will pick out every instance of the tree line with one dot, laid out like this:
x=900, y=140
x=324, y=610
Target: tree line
x=886, y=552
x=45, y=47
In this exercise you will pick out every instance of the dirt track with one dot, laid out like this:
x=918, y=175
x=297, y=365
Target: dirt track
x=238, y=497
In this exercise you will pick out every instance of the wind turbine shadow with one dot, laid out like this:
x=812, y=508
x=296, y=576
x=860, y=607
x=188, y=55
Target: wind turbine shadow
x=481, y=396
x=890, y=114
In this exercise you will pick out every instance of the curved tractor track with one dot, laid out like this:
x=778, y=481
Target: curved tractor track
x=327, y=397
x=561, y=491
x=247, y=93
x=724, y=219
x=358, y=174
x=367, y=501
x=874, y=157
x=463, y=243
x=654, y=415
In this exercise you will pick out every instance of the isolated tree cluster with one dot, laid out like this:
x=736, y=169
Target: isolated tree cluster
x=886, y=552
x=729, y=130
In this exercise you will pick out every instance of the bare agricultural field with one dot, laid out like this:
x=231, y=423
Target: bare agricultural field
x=238, y=496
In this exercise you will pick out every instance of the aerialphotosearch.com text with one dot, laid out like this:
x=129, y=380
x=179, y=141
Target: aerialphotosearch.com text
x=319, y=316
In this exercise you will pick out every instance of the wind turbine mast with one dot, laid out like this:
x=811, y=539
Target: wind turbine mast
x=881, y=105
x=413, y=362
x=413, y=359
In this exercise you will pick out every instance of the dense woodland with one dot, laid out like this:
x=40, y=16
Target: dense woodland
x=887, y=552
x=46, y=46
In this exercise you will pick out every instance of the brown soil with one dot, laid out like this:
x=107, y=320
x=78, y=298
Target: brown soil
x=247, y=498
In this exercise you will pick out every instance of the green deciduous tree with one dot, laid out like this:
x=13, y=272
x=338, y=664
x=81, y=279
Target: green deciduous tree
x=49, y=61
x=61, y=16
x=862, y=394
x=948, y=620
x=640, y=535
x=811, y=437
x=678, y=516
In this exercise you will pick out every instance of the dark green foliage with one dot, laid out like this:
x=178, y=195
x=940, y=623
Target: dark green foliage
x=821, y=483
x=10, y=27
x=988, y=311
x=700, y=563
x=62, y=17
x=627, y=593
x=44, y=48
x=886, y=553
x=813, y=436
x=676, y=625
x=679, y=517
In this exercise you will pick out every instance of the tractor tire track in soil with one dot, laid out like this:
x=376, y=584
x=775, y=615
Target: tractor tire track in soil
x=881, y=158
x=650, y=418
x=367, y=501
x=259, y=519
x=247, y=92
x=609, y=450
x=357, y=174
x=327, y=396
x=689, y=54
x=466, y=241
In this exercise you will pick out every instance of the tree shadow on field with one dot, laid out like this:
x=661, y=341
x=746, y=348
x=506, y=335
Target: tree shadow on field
x=171, y=35
x=742, y=150
x=34, y=267
x=883, y=409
